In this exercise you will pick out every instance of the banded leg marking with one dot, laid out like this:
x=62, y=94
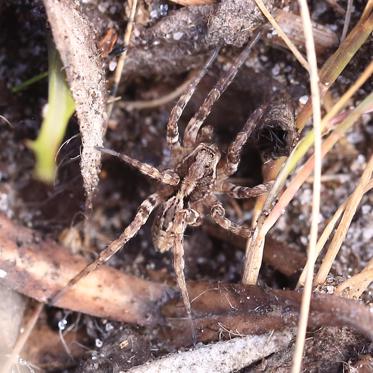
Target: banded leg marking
x=167, y=177
x=139, y=220
x=196, y=122
x=172, y=125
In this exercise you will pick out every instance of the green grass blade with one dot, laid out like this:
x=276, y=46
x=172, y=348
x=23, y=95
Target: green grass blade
x=59, y=110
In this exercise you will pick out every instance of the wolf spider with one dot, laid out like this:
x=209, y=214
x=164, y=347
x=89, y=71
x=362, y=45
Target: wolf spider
x=188, y=192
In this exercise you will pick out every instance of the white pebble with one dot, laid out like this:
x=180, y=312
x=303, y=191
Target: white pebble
x=3, y=273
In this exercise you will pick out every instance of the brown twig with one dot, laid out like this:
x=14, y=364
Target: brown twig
x=38, y=268
x=298, y=55
x=149, y=104
x=122, y=58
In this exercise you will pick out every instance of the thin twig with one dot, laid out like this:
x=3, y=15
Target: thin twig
x=316, y=109
x=342, y=229
x=367, y=10
x=149, y=104
x=22, y=339
x=347, y=19
x=298, y=55
x=122, y=58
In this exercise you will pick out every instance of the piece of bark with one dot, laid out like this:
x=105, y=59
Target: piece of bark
x=224, y=309
x=221, y=357
x=37, y=268
x=181, y=40
x=74, y=38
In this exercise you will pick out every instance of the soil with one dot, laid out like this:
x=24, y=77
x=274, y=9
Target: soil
x=60, y=207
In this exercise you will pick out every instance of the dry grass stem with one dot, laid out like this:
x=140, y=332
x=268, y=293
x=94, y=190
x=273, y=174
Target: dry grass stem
x=316, y=109
x=347, y=19
x=342, y=229
x=328, y=74
x=298, y=55
x=367, y=10
x=336, y=63
x=122, y=58
x=304, y=145
x=29, y=264
x=356, y=285
x=22, y=339
x=328, y=230
x=305, y=171
x=149, y=104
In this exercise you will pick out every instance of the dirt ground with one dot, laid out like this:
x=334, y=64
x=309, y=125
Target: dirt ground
x=58, y=212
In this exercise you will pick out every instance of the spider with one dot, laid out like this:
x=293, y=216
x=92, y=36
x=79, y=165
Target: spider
x=189, y=188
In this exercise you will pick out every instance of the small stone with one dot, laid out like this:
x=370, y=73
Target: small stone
x=177, y=35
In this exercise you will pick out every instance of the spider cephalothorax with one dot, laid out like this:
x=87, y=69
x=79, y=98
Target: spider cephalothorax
x=198, y=174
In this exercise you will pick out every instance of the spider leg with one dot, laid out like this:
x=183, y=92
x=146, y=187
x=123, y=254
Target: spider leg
x=233, y=156
x=167, y=177
x=196, y=122
x=182, y=219
x=172, y=125
x=218, y=215
x=237, y=191
x=142, y=215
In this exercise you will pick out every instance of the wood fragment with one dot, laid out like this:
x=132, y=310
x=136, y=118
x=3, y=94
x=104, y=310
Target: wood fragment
x=73, y=35
x=37, y=268
x=220, y=357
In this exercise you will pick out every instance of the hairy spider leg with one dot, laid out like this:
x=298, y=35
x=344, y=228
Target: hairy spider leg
x=169, y=177
x=218, y=215
x=237, y=191
x=194, y=125
x=183, y=218
x=142, y=215
x=233, y=157
x=172, y=125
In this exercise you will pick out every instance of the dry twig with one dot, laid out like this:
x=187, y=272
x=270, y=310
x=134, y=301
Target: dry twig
x=316, y=109
x=122, y=58
x=149, y=104
x=298, y=55
x=38, y=268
